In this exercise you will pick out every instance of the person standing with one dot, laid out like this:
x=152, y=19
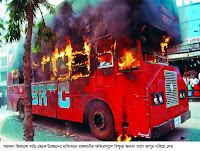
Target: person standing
x=186, y=80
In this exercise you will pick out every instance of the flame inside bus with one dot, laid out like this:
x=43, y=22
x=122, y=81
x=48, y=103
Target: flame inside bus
x=72, y=61
x=164, y=44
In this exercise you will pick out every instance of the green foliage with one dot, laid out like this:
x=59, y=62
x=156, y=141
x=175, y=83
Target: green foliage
x=44, y=34
x=17, y=16
x=1, y=24
x=49, y=7
x=1, y=27
x=17, y=23
x=2, y=1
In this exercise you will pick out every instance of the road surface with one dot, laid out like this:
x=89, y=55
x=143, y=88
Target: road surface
x=48, y=129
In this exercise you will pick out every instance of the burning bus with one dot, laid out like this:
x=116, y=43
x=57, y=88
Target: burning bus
x=118, y=84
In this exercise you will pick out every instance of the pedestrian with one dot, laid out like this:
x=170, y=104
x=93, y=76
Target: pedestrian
x=196, y=87
x=186, y=80
x=190, y=91
x=191, y=79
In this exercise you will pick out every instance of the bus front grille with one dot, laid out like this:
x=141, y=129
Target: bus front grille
x=171, y=88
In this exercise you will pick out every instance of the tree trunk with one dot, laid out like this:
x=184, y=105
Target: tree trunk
x=28, y=123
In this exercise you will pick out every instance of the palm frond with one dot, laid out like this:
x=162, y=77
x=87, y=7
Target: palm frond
x=44, y=34
x=14, y=32
x=1, y=24
x=50, y=8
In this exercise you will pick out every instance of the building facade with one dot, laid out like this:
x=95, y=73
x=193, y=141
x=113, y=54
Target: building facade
x=3, y=72
x=186, y=56
x=3, y=58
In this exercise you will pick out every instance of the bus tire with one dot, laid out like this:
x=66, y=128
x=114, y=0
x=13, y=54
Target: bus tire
x=21, y=109
x=101, y=121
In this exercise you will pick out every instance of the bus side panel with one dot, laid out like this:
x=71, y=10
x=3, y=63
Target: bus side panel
x=44, y=99
x=9, y=91
x=14, y=93
x=156, y=83
x=86, y=90
x=65, y=101
x=9, y=79
x=9, y=98
x=138, y=119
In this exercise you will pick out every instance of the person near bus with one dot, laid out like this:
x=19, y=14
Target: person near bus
x=186, y=80
x=196, y=87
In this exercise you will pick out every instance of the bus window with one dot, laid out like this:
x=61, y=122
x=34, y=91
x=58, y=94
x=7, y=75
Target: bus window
x=21, y=78
x=37, y=74
x=154, y=45
x=47, y=72
x=62, y=67
x=128, y=56
x=15, y=76
x=104, y=50
x=80, y=66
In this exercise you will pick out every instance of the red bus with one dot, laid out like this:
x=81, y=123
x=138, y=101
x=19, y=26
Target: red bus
x=118, y=86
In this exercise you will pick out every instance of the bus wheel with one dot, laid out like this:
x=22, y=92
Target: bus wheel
x=21, y=109
x=101, y=121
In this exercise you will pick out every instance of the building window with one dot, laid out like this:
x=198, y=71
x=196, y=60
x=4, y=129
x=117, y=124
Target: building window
x=3, y=76
x=3, y=61
x=179, y=2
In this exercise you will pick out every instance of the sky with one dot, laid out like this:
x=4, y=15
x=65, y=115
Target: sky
x=3, y=6
x=53, y=2
x=186, y=2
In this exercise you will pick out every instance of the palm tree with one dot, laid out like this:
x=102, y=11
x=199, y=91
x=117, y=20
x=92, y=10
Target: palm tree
x=1, y=27
x=22, y=14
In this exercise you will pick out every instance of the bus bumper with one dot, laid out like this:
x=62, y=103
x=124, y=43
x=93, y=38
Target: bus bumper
x=170, y=124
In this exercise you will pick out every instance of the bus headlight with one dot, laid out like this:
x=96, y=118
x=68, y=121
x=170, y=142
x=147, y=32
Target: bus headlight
x=182, y=94
x=158, y=98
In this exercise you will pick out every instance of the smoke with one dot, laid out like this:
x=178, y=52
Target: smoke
x=113, y=17
x=16, y=52
x=95, y=18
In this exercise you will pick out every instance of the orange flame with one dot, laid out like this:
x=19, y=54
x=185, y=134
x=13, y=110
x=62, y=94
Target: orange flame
x=164, y=44
x=124, y=138
x=127, y=60
x=35, y=64
x=68, y=52
x=105, y=53
x=15, y=74
x=119, y=138
x=87, y=49
x=127, y=138
x=115, y=45
x=45, y=60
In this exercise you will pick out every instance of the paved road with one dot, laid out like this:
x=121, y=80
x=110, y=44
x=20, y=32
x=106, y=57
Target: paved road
x=48, y=129
x=188, y=131
x=11, y=129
